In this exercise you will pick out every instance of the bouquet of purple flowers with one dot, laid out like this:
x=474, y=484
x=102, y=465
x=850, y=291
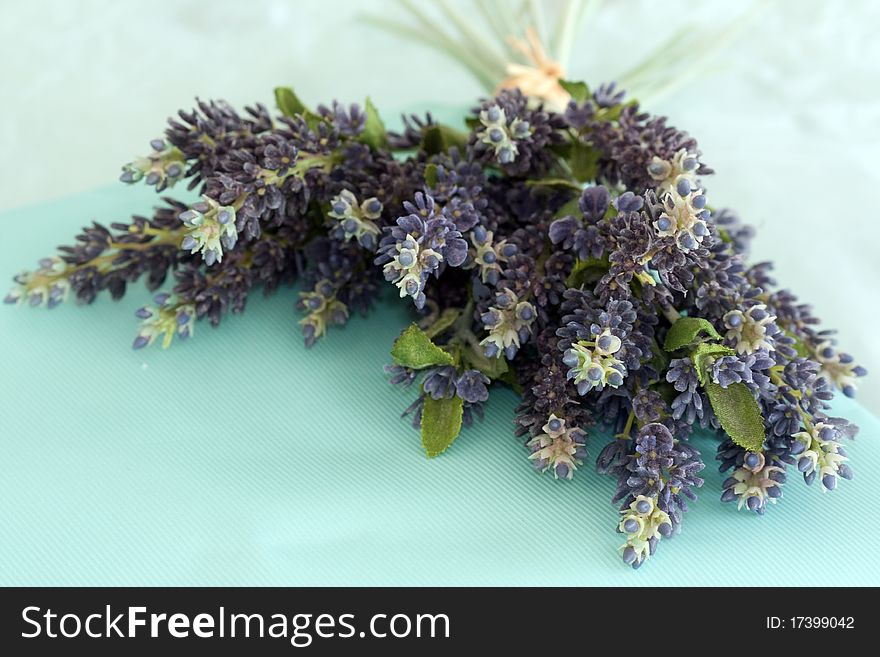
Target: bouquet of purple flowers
x=571, y=255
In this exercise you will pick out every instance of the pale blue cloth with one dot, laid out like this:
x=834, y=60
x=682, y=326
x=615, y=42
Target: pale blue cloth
x=240, y=457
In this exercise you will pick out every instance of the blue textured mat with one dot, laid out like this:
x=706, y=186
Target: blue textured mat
x=242, y=458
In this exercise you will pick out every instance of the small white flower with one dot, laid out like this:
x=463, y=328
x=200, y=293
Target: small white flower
x=323, y=309
x=753, y=486
x=163, y=167
x=509, y=324
x=47, y=285
x=500, y=135
x=165, y=318
x=559, y=448
x=747, y=330
x=211, y=229
x=821, y=455
x=356, y=221
x=669, y=173
x=642, y=521
x=406, y=268
x=684, y=218
x=838, y=368
x=593, y=365
x=488, y=256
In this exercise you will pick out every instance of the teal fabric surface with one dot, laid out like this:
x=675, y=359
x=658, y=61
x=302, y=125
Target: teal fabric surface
x=242, y=458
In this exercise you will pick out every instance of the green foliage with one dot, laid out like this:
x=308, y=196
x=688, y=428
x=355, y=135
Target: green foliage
x=433, y=141
x=440, y=138
x=736, y=408
x=571, y=208
x=686, y=330
x=473, y=123
x=583, y=160
x=799, y=345
x=494, y=368
x=414, y=349
x=587, y=271
x=288, y=102
x=739, y=414
x=374, y=134
x=659, y=358
x=446, y=319
x=431, y=175
x=555, y=183
x=509, y=377
x=613, y=113
x=579, y=91
x=441, y=423
x=665, y=390
x=703, y=355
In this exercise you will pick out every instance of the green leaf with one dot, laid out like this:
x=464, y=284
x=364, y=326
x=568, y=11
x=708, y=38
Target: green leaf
x=441, y=423
x=613, y=113
x=431, y=175
x=571, y=208
x=288, y=102
x=555, y=183
x=584, y=161
x=704, y=355
x=374, y=134
x=439, y=138
x=414, y=349
x=473, y=123
x=454, y=137
x=444, y=321
x=290, y=105
x=659, y=359
x=665, y=390
x=739, y=414
x=509, y=377
x=686, y=330
x=587, y=271
x=433, y=141
x=579, y=91
x=494, y=368
x=799, y=345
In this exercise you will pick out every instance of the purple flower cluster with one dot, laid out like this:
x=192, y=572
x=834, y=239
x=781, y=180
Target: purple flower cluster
x=572, y=255
x=424, y=242
x=656, y=475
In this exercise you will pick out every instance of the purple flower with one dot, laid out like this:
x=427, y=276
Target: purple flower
x=471, y=386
